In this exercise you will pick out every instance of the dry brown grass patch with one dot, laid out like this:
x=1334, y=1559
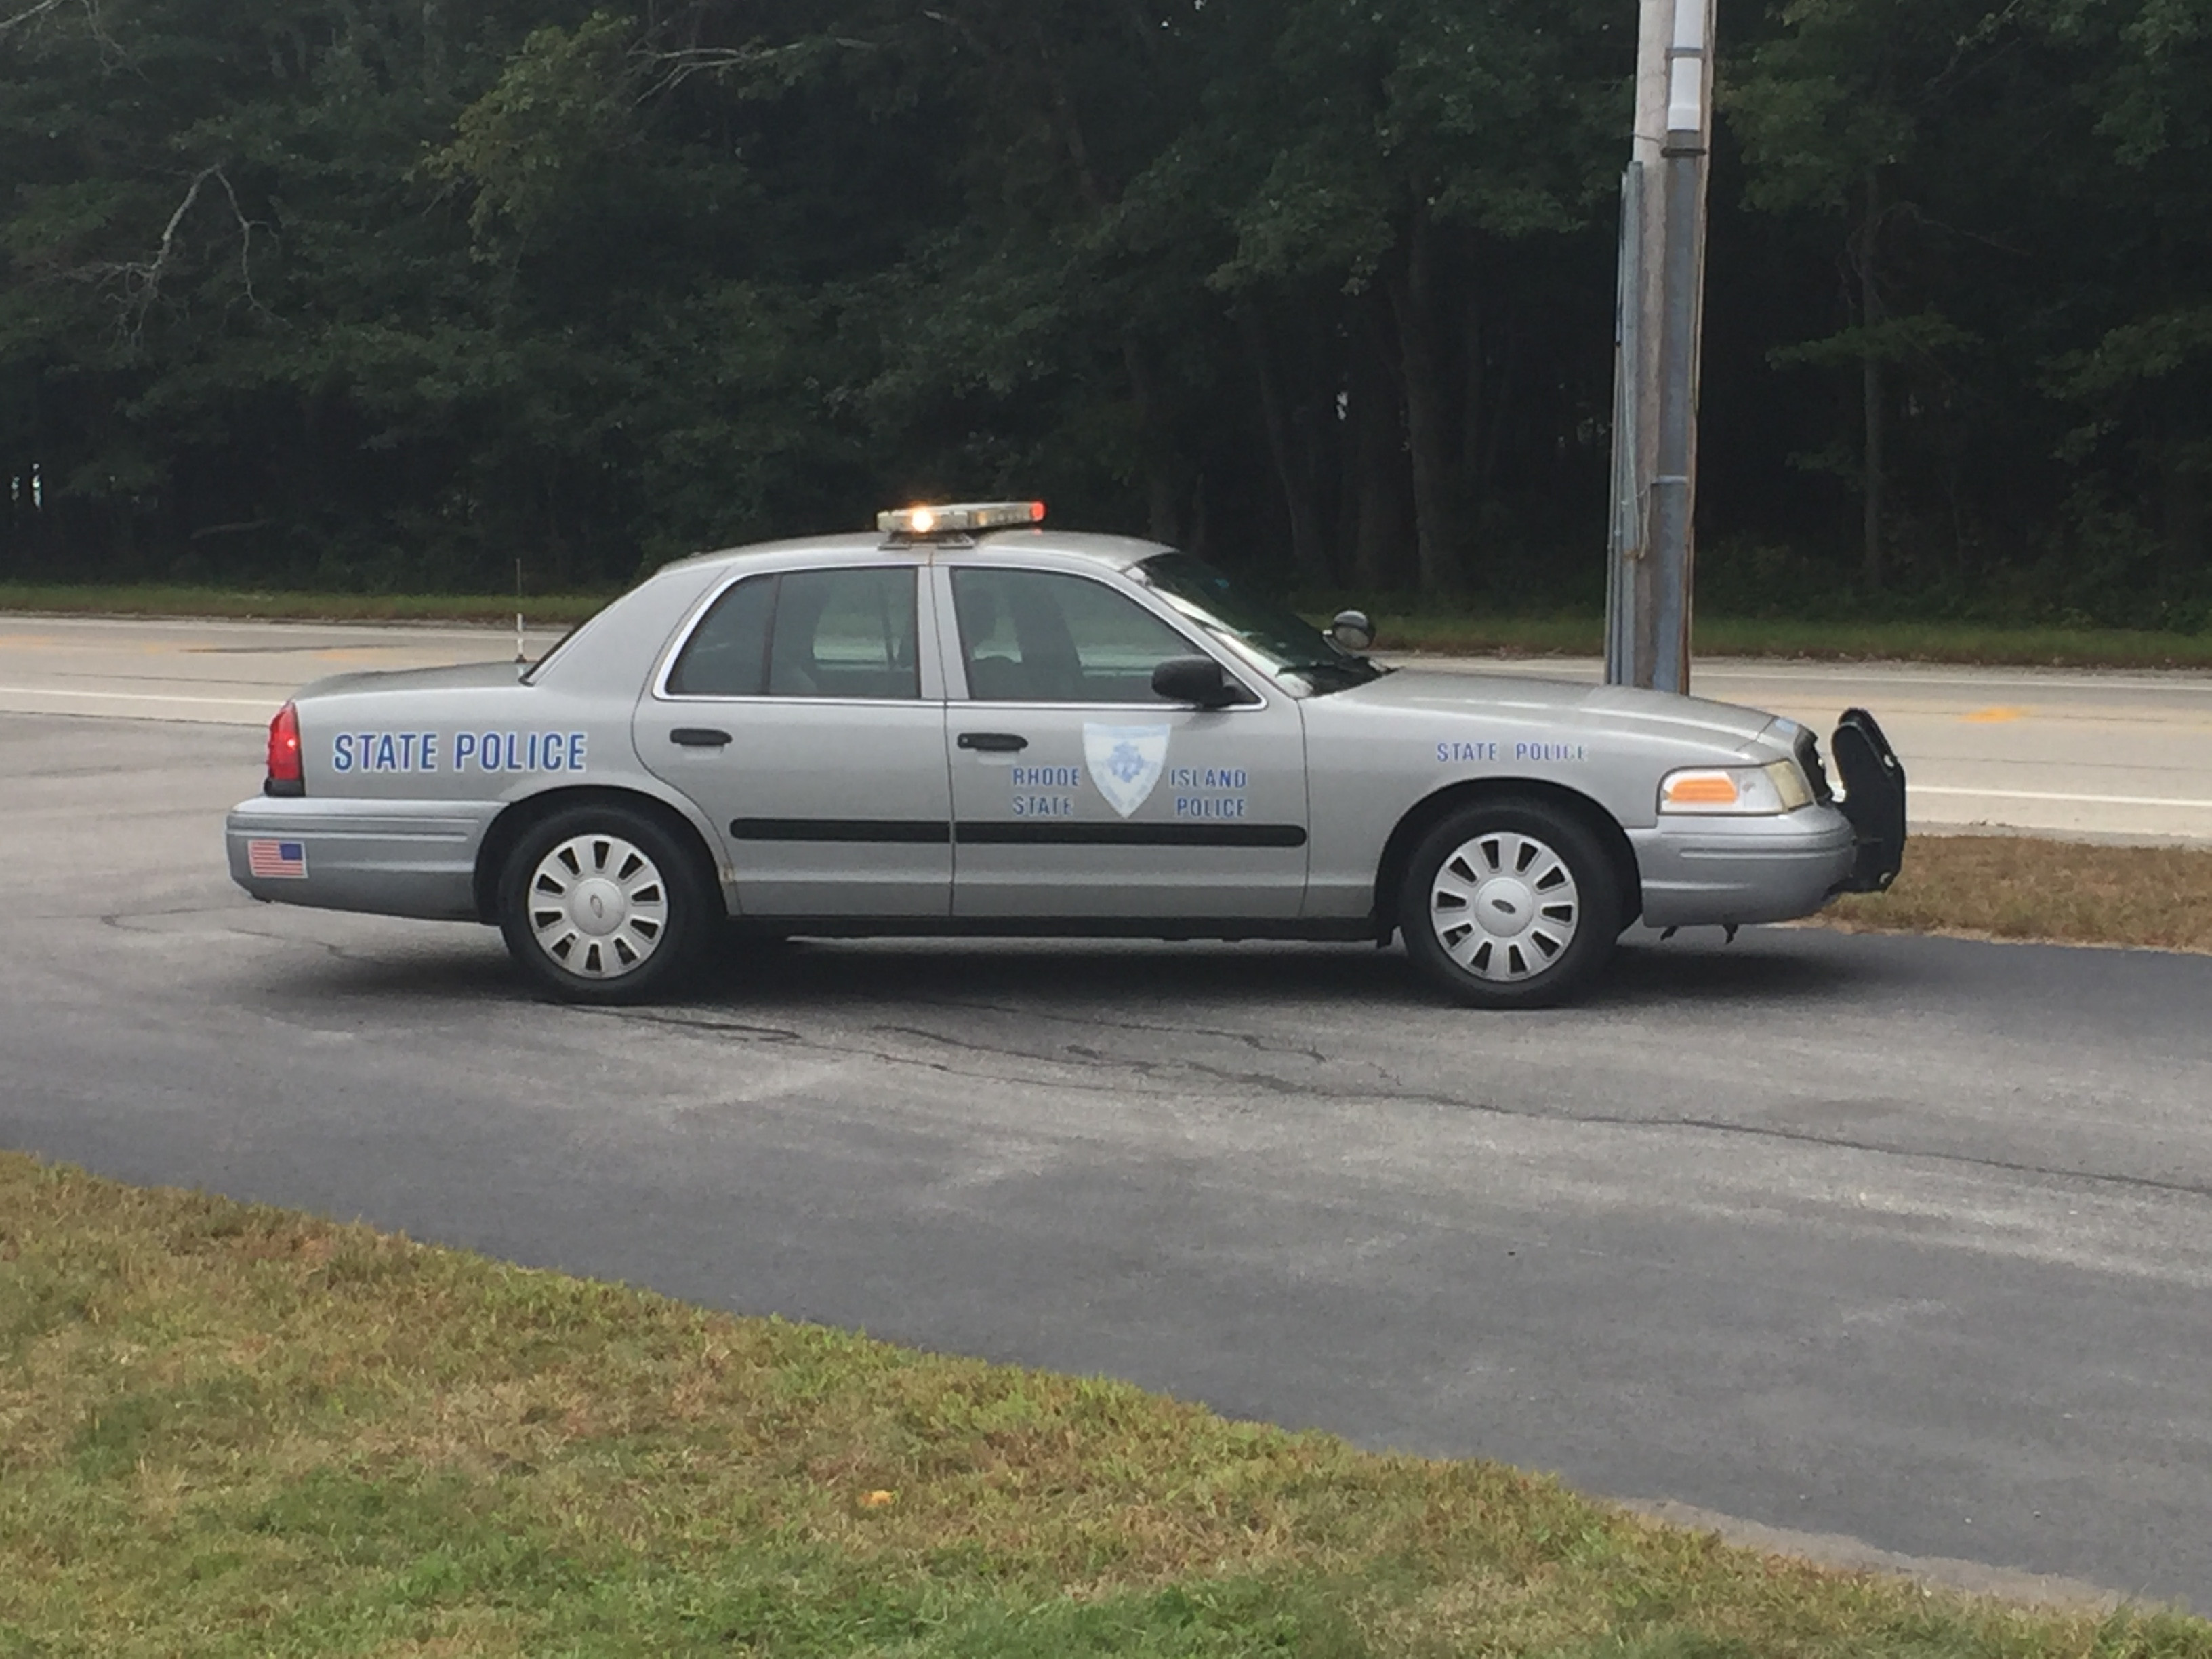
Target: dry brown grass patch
x=2021, y=887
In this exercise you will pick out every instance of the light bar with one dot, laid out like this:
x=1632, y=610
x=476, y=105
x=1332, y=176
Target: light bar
x=958, y=518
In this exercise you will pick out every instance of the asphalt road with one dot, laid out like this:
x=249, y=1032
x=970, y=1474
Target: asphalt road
x=1901, y=1239
x=232, y=674
x=2122, y=755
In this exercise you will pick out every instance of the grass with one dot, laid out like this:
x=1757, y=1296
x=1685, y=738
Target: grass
x=279, y=604
x=1437, y=632
x=1963, y=643
x=2020, y=887
x=235, y=1429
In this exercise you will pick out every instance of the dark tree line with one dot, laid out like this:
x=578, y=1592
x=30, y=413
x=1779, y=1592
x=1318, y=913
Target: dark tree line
x=390, y=292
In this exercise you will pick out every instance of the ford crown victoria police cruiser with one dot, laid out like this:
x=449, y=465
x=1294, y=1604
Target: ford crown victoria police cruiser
x=969, y=723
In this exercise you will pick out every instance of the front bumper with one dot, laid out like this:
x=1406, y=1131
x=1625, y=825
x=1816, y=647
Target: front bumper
x=1874, y=800
x=395, y=858
x=1709, y=872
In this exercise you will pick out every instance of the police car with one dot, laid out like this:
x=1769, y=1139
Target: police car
x=969, y=723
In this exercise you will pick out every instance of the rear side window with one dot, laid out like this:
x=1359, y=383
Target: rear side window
x=846, y=633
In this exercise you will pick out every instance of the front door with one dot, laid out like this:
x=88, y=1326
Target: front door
x=1077, y=793
x=800, y=715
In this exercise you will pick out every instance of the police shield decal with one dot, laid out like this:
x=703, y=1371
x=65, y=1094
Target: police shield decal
x=1125, y=761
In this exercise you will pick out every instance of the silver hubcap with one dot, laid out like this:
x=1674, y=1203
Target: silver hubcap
x=598, y=906
x=1504, y=907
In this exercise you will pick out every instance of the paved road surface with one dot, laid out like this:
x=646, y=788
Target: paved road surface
x=2053, y=751
x=2124, y=755
x=233, y=673
x=1908, y=1240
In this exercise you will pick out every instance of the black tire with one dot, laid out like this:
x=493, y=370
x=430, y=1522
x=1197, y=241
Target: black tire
x=656, y=909
x=1546, y=887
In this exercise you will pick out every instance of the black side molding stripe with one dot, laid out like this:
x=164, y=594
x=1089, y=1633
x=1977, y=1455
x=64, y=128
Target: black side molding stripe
x=1048, y=833
x=1020, y=834
x=877, y=829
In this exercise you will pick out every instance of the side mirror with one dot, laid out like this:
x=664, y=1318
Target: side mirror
x=1352, y=630
x=1196, y=680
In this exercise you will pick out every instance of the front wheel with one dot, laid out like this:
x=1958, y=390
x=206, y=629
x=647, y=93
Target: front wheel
x=602, y=904
x=1509, y=904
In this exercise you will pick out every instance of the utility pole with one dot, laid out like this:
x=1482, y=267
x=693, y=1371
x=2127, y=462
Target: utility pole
x=1658, y=330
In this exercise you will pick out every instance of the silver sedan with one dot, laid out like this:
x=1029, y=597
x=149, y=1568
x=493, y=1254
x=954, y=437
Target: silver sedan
x=966, y=723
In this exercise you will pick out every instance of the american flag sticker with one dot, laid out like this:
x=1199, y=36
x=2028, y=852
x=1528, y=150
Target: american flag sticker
x=277, y=859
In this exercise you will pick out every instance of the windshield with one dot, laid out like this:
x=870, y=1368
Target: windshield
x=1278, y=638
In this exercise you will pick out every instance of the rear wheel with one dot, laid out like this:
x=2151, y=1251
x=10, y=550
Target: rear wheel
x=1509, y=904
x=603, y=904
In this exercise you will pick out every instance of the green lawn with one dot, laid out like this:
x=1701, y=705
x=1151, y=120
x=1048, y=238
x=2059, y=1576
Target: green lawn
x=228, y=1429
x=1572, y=634
x=1735, y=636
x=169, y=599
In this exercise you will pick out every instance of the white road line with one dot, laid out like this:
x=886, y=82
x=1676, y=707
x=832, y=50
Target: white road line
x=2040, y=794
x=2060, y=679
x=128, y=696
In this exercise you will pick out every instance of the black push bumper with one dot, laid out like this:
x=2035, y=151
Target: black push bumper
x=1874, y=800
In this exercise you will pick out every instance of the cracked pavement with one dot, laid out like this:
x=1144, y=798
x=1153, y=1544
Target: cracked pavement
x=1905, y=1240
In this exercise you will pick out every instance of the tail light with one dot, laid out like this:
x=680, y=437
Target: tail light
x=285, y=775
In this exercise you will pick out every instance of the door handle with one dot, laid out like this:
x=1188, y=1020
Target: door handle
x=992, y=743
x=699, y=737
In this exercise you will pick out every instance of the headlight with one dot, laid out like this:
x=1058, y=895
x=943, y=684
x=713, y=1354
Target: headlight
x=1743, y=791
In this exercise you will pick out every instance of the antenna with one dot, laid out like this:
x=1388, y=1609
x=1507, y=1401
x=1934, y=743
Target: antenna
x=521, y=656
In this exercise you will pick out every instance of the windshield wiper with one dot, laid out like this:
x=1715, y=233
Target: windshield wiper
x=1358, y=672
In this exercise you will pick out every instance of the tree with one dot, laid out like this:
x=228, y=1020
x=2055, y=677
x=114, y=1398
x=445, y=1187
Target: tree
x=1839, y=114
x=1407, y=149
x=365, y=292
x=2142, y=383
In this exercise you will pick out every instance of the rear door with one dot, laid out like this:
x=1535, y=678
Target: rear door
x=1077, y=793
x=803, y=716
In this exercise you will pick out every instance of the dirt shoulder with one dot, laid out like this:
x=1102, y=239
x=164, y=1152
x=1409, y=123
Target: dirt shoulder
x=2026, y=887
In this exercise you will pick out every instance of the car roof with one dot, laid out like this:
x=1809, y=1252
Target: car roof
x=1115, y=552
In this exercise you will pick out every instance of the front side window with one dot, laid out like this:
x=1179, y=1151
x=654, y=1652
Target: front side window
x=1038, y=636
x=844, y=633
